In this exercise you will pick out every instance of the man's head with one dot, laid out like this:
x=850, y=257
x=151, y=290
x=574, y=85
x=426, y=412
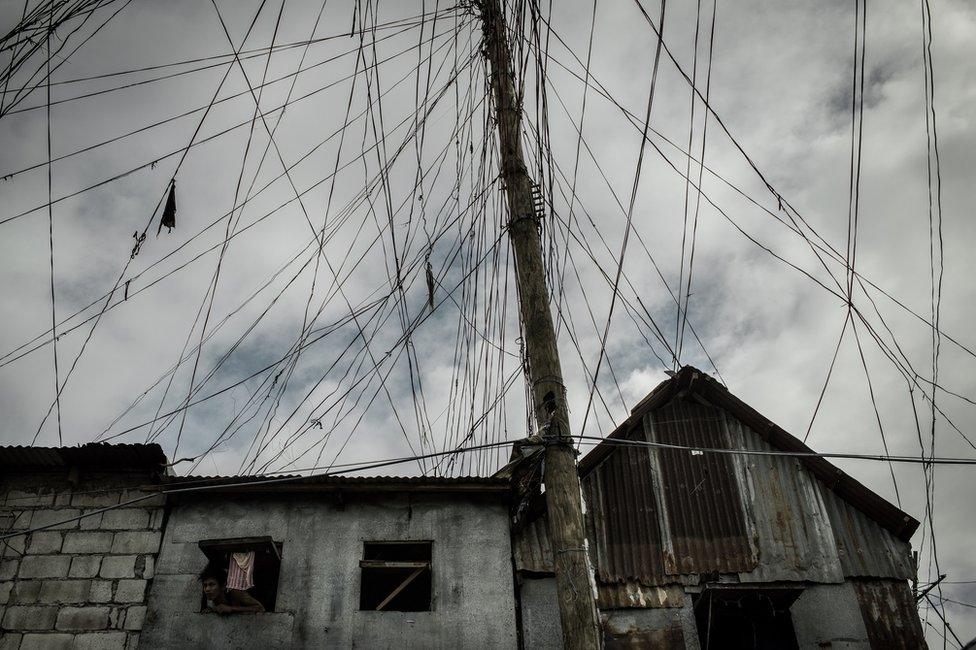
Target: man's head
x=213, y=580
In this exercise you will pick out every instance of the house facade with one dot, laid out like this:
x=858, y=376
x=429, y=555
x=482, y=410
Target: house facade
x=704, y=519
x=341, y=542
x=707, y=526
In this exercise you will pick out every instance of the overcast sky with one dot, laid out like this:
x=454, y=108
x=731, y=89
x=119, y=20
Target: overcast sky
x=780, y=80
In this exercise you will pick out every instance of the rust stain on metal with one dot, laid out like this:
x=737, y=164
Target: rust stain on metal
x=865, y=549
x=637, y=596
x=889, y=614
x=669, y=638
x=705, y=522
x=622, y=519
x=791, y=526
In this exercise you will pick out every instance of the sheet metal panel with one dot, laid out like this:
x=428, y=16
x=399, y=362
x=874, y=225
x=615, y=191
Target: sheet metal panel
x=703, y=522
x=533, y=552
x=789, y=521
x=865, y=548
x=889, y=614
x=634, y=595
x=622, y=518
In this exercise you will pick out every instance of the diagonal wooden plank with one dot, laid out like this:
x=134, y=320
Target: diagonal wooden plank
x=402, y=586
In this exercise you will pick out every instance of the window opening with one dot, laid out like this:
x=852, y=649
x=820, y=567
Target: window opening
x=734, y=618
x=396, y=576
x=264, y=573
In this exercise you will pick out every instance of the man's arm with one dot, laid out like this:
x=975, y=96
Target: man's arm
x=239, y=602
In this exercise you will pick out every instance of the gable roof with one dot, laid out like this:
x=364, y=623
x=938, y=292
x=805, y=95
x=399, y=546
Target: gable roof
x=691, y=381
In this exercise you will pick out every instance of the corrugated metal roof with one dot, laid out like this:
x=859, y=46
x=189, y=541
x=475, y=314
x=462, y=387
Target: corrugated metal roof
x=791, y=526
x=704, y=525
x=296, y=483
x=692, y=382
x=889, y=614
x=119, y=457
x=864, y=548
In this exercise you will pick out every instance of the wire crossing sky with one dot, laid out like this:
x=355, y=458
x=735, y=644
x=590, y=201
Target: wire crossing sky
x=776, y=193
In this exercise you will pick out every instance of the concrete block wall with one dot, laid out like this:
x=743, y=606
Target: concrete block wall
x=82, y=583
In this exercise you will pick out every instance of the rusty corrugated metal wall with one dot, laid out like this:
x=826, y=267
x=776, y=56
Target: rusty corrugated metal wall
x=704, y=522
x=889, y=614
x=790, y=523
x=657, y=517
x=864, y=548
x=622, y=519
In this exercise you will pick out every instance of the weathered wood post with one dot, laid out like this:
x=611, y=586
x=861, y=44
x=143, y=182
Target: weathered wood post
x=574, y=578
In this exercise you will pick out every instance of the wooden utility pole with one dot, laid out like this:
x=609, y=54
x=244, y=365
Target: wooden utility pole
x=576, y=589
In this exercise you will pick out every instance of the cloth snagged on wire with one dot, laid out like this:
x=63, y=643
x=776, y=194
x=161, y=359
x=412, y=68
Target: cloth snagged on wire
x=169, y=212
x=240, y=572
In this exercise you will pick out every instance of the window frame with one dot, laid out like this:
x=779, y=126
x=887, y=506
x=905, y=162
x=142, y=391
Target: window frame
x=266, y=551
x=418, y=567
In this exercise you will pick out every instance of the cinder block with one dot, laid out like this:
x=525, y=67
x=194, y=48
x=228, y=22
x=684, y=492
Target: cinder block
x=44, y=541
x=29, y=498
x=60, y=519
x=29, y=617
x=5, y=589
x=156, y=521
x=100, y=641
x=62, y=499
x=101, y=591
x=118, y=566
x=130, y=591
x=145, y=566
x=90, y=521
x=125, y=519
x=83, y=618
x=87, y=542
x=44, y=566
x=85, y=566
x=96, y=499
x=53, y=641
x=14, y=547
x=25, y=591
x=22, y=519
x=65, y=591
x=156, y=499
x=132, y=643
x=137, y=542
x=135, y=617
x=8, y=568
x=10, y=640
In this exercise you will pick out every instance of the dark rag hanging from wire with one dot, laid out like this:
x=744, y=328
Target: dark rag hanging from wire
x=169, y=212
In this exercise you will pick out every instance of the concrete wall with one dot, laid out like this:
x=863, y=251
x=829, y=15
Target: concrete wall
x=81, y=584
x=829, y=616
x=541, y=628
x=318, y=590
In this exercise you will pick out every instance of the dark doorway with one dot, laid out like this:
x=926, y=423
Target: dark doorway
x=745, y=619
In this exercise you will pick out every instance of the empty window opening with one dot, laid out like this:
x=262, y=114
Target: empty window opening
x=248, y=565
x=753, y=619
x=396, y=577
